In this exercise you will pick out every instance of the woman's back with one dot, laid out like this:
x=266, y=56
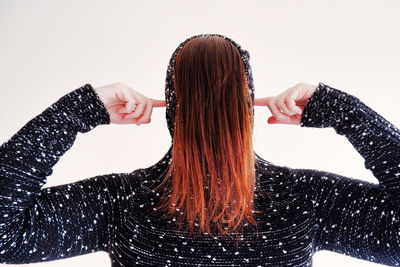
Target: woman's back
x=303, y=210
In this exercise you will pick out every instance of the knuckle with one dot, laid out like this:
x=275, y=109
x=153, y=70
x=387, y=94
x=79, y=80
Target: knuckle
x=139, y=99
x=286, y=99
x=273, y=100
x=270, y=98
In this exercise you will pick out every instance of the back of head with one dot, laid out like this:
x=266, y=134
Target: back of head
x=212, y=173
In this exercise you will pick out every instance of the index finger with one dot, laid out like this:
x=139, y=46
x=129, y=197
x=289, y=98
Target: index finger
x=158, y=103
x=260, y=101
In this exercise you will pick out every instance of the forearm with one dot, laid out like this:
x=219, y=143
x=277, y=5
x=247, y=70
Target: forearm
x=27, y=158
x=375, y=138
x=34, y=223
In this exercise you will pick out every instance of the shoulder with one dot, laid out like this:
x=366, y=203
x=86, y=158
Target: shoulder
x=271, y=177
x=113, y=183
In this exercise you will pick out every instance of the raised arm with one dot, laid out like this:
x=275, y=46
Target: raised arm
x=46, y=224
x=354, y=217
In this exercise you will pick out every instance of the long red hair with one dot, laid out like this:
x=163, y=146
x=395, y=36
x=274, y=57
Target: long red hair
x=212, y=173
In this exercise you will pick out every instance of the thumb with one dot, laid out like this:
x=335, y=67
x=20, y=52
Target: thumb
x=289, y=120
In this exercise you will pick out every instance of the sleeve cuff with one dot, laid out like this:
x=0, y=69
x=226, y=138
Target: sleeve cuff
x=85, y=107
x=328, y=106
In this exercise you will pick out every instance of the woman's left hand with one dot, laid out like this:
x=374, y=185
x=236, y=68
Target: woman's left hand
x=125, y=105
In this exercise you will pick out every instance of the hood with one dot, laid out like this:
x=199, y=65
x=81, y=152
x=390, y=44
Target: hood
x=170, y=95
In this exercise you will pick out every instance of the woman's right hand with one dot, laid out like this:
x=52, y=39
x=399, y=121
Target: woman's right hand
x=126, y=105
x=287, y=107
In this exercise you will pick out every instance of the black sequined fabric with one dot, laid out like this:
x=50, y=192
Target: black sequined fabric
x=307, y=210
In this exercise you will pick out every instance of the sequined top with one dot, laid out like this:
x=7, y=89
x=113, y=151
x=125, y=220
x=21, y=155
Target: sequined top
x=309, y=210
x=306, y=210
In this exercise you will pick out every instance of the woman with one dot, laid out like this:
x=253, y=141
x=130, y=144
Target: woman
x=210, y=183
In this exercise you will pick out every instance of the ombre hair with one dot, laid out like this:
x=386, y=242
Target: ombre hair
x=211, y=176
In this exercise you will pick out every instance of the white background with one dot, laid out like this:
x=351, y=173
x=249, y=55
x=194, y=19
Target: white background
x=49, y=48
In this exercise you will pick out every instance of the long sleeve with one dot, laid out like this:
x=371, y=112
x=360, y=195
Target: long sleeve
x=354, y=217
x=46, y=224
